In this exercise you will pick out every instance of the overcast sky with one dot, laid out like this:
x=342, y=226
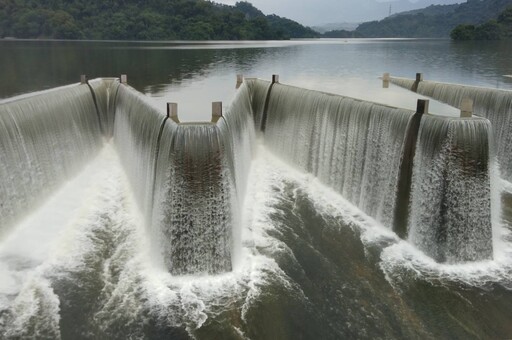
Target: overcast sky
x=314, y=12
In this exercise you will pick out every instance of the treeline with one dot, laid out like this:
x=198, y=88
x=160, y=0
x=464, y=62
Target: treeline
x=435, y=21
x=143, y=20
x=498, y=29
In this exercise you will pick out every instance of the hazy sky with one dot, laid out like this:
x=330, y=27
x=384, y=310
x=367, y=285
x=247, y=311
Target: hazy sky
x=313, y=12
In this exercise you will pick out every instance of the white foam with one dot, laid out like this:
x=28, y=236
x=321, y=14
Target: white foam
x=399, y=255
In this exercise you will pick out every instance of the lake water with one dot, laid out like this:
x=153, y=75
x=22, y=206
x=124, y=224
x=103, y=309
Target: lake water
x=312, y=266
x=195, y=74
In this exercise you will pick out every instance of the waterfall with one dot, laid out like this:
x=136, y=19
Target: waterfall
x=136, y=131
x=237, y=131
x=189, y=179
x=450, y=199
x=353, y=146
x=259, y=90
x=192, y=213
x=105, y=90
x=45, y=138
x=493, y=104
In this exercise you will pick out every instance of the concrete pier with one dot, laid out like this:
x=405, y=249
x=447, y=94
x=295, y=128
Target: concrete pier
x=385, y=80
x=216, y=111
x=466, y=108
x=172, y=112
x=419, y=78
x=239, y=80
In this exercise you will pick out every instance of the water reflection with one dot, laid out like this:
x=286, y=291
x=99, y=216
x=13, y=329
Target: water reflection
x=195, y=74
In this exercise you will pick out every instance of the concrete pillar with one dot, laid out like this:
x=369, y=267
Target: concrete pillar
x=124, y=79
x=422, y=106
x=466, y=108
x=83, y=79
x=172, y=112
x=239, y=80
x=275, y=78
x=216, y=111
x=419, y=78
x=385, y=80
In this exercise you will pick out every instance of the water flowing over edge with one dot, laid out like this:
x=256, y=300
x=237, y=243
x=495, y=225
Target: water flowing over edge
x=493, y=104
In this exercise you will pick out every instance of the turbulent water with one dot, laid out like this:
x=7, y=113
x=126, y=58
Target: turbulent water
x=305, y=257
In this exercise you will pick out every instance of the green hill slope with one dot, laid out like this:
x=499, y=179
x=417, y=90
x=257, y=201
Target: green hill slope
x=143, y=20
x=491, y=30
x=434, y=21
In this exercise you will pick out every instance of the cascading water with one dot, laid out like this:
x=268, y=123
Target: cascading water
x=136, y=136
x=192, y=215
x=259, y=90
x=105, y=90
x=237, y=131
x=450, y=199
x=493, y=104
x=44, y=139
x=189, y=178
x=352, y=146
x=80, y=267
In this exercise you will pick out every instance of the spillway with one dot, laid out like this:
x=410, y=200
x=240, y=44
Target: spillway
x=45, y=139
x=360, y=150
x=189, y=179
x=493, y=104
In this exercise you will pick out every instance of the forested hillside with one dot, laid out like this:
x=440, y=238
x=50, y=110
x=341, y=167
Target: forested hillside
x=143, y=20
x=434, y=21
x=498, y=29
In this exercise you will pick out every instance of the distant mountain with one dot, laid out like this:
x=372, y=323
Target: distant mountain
x=434, y=21
x=345, y=26
x=143, y=20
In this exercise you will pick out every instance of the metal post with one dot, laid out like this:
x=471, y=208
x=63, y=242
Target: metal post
x=124, y=79
x=83, y=79
x=275, y=78
x=466, y=108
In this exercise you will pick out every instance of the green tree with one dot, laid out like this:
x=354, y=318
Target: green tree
x=491, y=30
x=463, y=32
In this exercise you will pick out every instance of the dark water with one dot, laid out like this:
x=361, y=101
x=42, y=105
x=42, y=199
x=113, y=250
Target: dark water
x=311, y=267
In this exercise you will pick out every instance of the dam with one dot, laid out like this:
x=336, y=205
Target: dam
x=426, y=178
x=189, y=178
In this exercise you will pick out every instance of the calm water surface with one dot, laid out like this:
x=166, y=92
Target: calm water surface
x=195, y=74
x=312, y=265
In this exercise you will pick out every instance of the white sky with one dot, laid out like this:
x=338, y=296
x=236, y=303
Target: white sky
x=314, y=12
